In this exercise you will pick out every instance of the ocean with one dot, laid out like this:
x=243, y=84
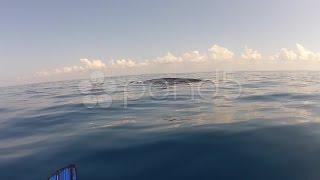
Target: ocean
x=232, y=125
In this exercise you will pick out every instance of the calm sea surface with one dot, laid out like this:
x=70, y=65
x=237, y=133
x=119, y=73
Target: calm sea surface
x=243, y=125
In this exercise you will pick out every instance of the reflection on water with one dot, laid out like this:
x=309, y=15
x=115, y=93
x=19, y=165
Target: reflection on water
x=253, y=125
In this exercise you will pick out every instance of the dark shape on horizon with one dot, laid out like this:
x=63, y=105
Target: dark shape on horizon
x=172, y=81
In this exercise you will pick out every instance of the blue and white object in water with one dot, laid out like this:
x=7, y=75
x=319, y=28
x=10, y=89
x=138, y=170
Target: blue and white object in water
x=67, y=173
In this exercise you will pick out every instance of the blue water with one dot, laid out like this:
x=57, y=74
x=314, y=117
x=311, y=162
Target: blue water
x=243, y=125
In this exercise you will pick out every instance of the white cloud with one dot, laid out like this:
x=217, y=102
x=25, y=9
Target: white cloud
x=301, y=53
x=42, y=73
x=286, y=54
x=94, y=64
x=71, y=69
x=251, y=54
x=124, y=63
x=168, y=58
x=194, y=56
x=220, y=53
x=86, y=65
x=305, y=54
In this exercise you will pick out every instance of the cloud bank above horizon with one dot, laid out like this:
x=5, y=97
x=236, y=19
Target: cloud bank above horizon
x=216, y=57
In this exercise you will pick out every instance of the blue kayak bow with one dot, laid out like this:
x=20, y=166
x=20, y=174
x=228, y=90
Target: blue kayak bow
x=67, y=173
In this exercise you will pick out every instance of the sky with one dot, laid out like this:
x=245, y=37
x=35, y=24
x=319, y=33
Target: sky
x=42, y=40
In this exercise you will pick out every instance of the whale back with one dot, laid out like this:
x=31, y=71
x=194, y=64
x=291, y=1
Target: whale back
x=172, y=81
